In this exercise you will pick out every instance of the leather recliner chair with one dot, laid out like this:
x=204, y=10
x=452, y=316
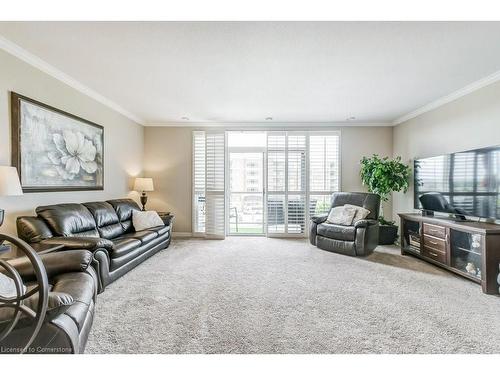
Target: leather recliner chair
x=358, y=239
x=104, y=228
x=72, y=291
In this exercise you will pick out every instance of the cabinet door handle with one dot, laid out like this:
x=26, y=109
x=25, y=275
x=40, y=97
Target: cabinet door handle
x=433, y=254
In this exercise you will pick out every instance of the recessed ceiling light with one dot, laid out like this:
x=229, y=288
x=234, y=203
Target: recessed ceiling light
x=185, y=118
x=269, y=118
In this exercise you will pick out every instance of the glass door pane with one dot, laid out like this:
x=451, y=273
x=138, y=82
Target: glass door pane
x=246, y=193
x=466, y=252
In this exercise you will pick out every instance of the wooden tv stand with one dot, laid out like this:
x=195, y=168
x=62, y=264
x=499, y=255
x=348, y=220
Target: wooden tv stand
x=469, y=249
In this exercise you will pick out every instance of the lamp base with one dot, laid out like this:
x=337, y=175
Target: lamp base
x=144, y=200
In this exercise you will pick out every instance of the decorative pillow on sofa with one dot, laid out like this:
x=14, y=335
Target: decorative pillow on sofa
x=145, y=219
x=341, y=215
x=361, y=212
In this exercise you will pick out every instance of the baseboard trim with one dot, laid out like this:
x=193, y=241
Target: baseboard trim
x=181, y=234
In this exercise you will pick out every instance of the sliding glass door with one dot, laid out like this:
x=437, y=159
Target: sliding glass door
x=246, y=193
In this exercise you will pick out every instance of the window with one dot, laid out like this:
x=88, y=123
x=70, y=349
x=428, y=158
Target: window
x=324, y=171
x=302, y=171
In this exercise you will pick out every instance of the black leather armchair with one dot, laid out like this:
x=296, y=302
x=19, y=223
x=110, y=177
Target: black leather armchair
x=358, y=239
x=72, y=291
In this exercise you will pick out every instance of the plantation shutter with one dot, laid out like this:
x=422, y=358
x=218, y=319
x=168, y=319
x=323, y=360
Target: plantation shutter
x=199, y=182
x=286, y=183
x=324, y=171
x=215, y=184
x=276, y=182
x=296, y=183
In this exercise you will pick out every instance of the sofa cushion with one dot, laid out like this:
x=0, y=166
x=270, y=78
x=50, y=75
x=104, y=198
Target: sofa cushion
x=124, y=208
x=81, y=287
x=57, y=304
x=32, y=229
x=143, y=235
x=337, y=232
x=161, y=230
x=123, y=246
x=367, y=200
x=69, y=219
x=106, y=219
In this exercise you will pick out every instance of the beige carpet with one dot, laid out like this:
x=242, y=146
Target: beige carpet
x=259, y=295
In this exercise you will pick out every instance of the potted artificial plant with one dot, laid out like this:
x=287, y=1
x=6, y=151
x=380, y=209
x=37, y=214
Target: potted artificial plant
x=383, y=176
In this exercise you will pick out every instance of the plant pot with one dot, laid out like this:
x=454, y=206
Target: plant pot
x=387, y=234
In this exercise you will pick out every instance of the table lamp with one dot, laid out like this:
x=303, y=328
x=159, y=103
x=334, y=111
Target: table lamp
x=9, y=185
x=143, y=184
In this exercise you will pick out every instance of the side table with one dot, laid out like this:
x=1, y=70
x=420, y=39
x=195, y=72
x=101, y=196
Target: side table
x=11, y=251
x=168, y=218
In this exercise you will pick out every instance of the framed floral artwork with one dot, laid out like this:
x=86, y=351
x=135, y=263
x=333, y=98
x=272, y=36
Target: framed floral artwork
x=54, y=150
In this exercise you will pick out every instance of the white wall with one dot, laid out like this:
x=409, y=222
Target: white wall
x=168, y=159
x=470, y=122
x=124, y=139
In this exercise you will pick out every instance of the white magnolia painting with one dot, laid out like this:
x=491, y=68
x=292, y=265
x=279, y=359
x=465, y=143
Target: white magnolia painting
x=58, y=151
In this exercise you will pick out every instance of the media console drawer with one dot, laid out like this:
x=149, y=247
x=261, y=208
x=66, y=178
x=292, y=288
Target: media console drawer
x=436, y=255
x=435, y=243
x=434, y=230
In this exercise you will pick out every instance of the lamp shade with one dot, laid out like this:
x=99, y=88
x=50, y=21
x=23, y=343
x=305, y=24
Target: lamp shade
x=143, y=184
x=9, y=181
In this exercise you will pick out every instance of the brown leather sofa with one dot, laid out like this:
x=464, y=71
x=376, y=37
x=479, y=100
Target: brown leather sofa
x=72, y=290
x=104, y=228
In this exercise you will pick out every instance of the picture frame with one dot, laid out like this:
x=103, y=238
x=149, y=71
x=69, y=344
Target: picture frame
x=54, y=150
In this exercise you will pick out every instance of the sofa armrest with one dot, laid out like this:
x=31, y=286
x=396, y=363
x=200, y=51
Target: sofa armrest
x=365, y=223
x=79, y=243
x=319, y=219
x=55, y=263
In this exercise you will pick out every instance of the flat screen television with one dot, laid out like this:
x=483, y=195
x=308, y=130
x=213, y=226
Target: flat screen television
x=463, y=183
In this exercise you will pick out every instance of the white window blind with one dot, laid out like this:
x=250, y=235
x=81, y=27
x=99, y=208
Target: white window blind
x=324, y=171
x=208, y=183
x=199, y=182
x=276, y=183
x=286, y=183
x=215, y=184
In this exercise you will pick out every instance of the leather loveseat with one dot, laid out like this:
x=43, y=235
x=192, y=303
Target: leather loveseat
x=104, y=228
x=72, y=290
x=358, y=239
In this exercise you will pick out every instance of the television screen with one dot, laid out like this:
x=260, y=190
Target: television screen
x=464, y=183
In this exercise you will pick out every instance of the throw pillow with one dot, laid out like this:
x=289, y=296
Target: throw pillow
x=361, y=212
x=146, y=219
x=8, y=287
x=341, y=215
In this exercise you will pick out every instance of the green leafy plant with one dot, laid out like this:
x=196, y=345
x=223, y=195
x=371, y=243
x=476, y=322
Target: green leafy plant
x=383, y=176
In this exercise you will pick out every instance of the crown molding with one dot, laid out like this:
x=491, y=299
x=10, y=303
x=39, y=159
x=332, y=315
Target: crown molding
x=263, y=125
x=474, y=86
x=45, y=67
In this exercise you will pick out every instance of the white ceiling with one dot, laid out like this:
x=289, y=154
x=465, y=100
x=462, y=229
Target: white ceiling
x=247, y=71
